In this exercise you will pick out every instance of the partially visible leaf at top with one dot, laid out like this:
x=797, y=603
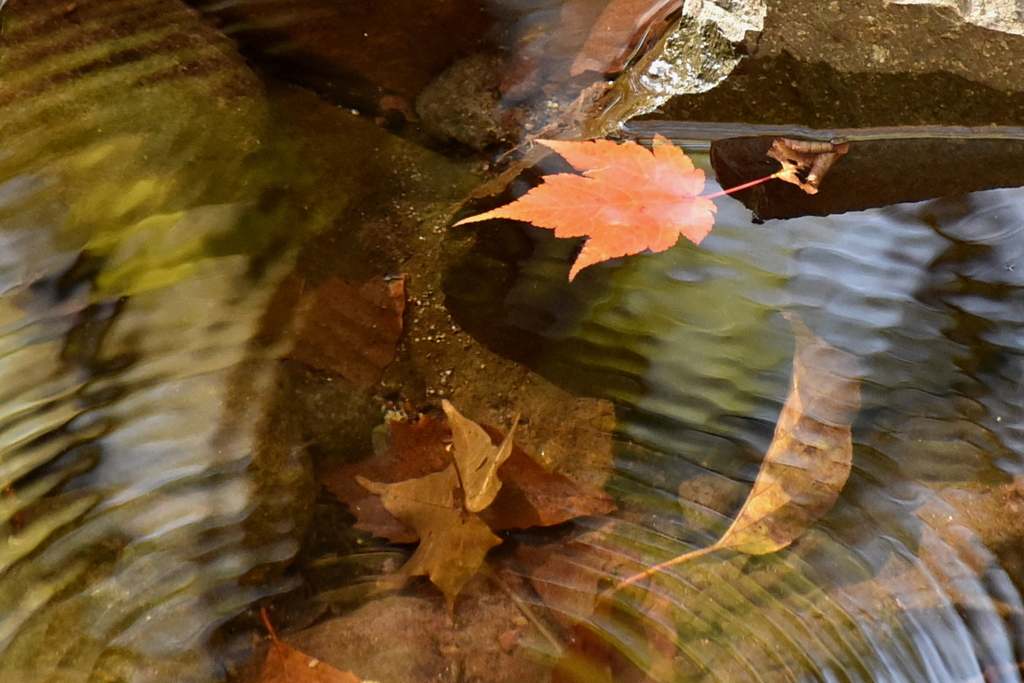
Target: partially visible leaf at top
x=628, y=200
x=808, y=461
x=476, y=458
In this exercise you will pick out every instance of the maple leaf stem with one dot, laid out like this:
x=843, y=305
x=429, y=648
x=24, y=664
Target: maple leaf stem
x=744, y=186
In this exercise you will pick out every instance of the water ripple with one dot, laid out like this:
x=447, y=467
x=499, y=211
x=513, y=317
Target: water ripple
x=131, y=390
x=896, y=583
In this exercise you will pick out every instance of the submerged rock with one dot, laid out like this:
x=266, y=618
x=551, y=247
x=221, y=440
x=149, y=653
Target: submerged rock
x=463, y=104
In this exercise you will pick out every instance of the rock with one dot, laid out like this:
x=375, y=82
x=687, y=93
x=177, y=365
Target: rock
x=463, y=104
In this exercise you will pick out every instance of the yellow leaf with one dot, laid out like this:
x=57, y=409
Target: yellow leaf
x=453, y=542
x=808, y=461
x=477, y=459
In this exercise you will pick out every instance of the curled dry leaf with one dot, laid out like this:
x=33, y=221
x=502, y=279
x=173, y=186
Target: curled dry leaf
x=813, y=156
x=476, y=459
x=808, y=461
x=628, y=200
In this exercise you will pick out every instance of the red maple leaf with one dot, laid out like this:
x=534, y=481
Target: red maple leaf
x=628, y=200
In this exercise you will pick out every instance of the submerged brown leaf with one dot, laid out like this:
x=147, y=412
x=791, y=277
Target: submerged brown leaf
x=453, y=541
x=413, y=449
x=452, y=512
x=813, y=156
x=351, y=330
x=477, y=460
x=285, y=664
x=808, y=461
x=567, y=577
x=533, y=496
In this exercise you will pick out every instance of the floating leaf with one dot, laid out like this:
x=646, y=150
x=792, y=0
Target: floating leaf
x=285, y=664
x=808, y=461
x=629, y=199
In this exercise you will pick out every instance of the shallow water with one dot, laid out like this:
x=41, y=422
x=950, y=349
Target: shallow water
x=143, y=240
x=154, y=194
x=691, y=347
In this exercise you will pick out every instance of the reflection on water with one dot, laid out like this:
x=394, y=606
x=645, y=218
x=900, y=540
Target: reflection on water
x=134, y=274
x=132, y=562
x=897, y=582
x=153, y=195
x=130, y=389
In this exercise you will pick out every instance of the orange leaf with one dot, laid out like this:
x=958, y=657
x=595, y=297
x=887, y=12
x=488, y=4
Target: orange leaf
x=285, y=664
x=628, y=199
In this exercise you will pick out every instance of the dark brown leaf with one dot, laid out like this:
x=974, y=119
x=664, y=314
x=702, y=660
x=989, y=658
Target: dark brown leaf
x=351, y=330
x=441, y=507
x=533, y=496
x=414, y=449
x=530, y=495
